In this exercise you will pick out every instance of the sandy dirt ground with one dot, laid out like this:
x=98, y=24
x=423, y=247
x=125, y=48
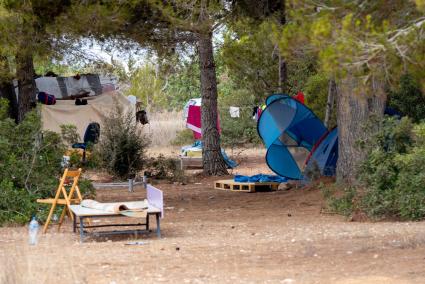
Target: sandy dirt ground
x=214, y=236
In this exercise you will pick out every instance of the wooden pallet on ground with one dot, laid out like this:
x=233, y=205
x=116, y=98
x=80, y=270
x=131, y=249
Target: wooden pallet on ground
x=232, y=185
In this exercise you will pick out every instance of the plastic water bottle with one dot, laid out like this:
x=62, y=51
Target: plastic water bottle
x=130, y=185
x=145, y=181
x=33, y=231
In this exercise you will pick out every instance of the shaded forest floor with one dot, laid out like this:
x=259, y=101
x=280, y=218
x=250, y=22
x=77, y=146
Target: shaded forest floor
x=214, y=236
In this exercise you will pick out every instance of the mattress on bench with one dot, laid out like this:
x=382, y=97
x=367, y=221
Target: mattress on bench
x=85, y=211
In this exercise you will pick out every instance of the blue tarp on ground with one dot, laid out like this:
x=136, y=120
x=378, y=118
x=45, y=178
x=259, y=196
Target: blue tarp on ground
x=260, y=178
x=287, y=120
x=198, y=146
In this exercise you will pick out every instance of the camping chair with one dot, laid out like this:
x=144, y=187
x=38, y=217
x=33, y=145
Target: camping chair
x=67, y=199
x=91, y=136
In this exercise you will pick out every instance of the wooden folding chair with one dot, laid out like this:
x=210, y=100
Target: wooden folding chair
x=67, y=199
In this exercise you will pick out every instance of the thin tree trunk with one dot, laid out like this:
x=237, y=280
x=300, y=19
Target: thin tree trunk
x=211, y=153
x=26, y=83
x=283, y=72
x=356, y=104
x=330, y=102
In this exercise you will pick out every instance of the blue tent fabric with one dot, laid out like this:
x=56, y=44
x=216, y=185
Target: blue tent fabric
x=325, y=155
x=285, y=115
x=260, y=178
x=229, y=162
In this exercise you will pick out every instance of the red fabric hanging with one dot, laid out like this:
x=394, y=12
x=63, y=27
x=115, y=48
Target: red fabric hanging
x=300, y=97
x=193, y=121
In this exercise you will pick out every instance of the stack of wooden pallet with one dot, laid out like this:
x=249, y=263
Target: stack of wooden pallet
x=232, y=185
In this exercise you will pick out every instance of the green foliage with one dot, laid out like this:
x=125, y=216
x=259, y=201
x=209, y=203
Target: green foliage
x=343, y=204
x=409, y=99
x=247, y=54
x=340, y=199
x=316, y=94
x=356, y=40
x=242, y=130
x=86, y=188
x=393, y=173
x=183, y=137
x=75, y=159
x=69, y=134
x=392, y=176
x=16, y=204
x=4, y=109
x=146, y=85
x=183, y=84
x=165, y=168
x=122, y=145
x=250, y=61
x=30, y=165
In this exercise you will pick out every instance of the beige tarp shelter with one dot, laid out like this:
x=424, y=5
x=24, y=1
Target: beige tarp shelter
x=66, y=112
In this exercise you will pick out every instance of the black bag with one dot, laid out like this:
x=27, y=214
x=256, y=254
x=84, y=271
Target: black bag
x=81, y=102
x=142, y=117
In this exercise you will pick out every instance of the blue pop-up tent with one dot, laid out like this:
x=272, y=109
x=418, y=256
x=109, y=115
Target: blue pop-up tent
x=285, y=122
x=324, y=154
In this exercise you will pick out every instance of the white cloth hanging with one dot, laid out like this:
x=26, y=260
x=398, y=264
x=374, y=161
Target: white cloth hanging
x=234, y=111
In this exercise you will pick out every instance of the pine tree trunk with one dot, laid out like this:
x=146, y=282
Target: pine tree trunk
x=211, y=153
x=357, y=104
x=26, y=83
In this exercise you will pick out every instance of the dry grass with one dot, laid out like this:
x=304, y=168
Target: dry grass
x=163, y=127
x=27, y=264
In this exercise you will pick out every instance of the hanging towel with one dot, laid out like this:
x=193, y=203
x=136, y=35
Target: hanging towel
x=193, y=121
x=234, y=112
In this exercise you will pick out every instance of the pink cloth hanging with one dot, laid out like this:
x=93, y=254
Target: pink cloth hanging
x=193, y=121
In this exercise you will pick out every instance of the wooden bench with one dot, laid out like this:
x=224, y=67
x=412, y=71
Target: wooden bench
x=155, y=207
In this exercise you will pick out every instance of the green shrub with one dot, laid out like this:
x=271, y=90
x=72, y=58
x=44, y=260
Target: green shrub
x=122, y=146
x=409, y=99
x=392, y=176
x=345, y=203
x=69, y=134
x=30, y=164
x=380, y=172
x=242, y=130
x=86, y=188
x=340, y=199
x=16, y=204
x=165, y=168
x=410, y=184
x=316, y=92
